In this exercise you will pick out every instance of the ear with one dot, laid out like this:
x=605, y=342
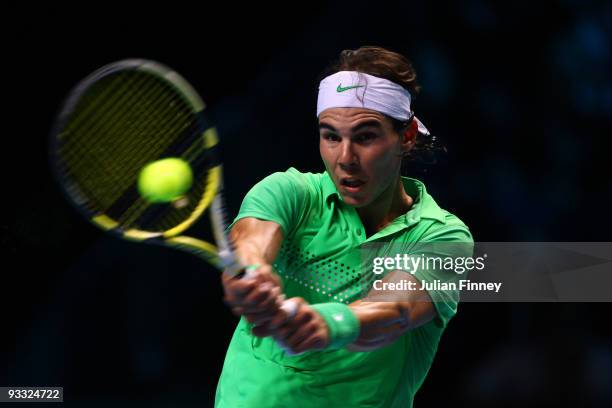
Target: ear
x=408, y=137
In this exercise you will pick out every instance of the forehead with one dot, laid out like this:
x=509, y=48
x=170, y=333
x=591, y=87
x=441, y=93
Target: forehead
x=341, y=117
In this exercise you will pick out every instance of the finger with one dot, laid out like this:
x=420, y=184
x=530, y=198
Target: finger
x=286, y=330
x=258, y=318
x=302, y=317
x=299, y=335
x=311, y=342
x=237, y=311
x=287, y=309
x=282, y=315
x=233, y=301
x=262, y=297
x=269, y=305
x=262, y=330
x=278, y=320
x=255, y=295
x=265, y=270
x=261, y=273
x=239, y=287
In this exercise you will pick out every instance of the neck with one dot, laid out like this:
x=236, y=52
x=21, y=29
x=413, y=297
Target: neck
x=392, y=203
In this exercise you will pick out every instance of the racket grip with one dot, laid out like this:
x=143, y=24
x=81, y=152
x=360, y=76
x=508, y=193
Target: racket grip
x=230, y=265
x=288, y=306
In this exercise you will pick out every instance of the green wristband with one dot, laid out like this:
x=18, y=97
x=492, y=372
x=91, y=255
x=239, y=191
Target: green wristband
x=342, y=323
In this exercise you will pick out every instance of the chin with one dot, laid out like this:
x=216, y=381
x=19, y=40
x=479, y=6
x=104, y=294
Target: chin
x=353, y=201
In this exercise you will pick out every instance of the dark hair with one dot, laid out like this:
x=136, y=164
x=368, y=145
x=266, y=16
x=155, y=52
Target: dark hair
x=383, y=63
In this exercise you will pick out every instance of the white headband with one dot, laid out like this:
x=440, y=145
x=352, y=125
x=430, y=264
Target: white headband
x=352, y=89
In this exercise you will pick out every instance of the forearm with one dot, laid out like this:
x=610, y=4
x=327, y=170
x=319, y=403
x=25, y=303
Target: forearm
x=250, y=252
x=365, y=324
x=382, y=322
x=257, y=298
x=256, y=241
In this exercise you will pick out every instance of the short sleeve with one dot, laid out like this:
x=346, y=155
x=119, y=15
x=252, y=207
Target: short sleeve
x=280, y=197
x=445, y=249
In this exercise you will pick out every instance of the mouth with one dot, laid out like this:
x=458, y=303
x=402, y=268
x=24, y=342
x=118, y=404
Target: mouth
x=351, y=184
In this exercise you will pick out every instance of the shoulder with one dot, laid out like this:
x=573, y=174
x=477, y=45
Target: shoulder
x=452, y=224
x=283, y=197
x=453, y=229
x=292, y=178
x=289, y=188
x=437, y=224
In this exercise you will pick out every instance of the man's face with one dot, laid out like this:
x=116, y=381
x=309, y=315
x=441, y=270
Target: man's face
x=361, y=151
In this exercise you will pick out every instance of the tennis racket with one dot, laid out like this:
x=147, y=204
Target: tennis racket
x=115, y=121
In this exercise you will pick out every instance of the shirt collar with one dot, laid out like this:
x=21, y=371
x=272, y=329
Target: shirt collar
x=424, y=205
x=329, y=188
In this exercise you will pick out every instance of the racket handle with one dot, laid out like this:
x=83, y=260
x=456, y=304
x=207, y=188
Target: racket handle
x=288, y=306
x=230, y=264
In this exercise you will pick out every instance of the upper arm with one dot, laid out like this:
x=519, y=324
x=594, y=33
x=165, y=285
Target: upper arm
x=269, y=212
x=280, y=197
x=256, y=240
x=451, y=241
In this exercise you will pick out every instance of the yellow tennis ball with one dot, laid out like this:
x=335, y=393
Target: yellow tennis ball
x=165, y=180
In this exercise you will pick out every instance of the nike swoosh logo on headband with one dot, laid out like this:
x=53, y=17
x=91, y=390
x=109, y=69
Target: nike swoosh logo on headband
x=341, y=89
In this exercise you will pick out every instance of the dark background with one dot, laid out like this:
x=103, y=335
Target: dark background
x=520, y=93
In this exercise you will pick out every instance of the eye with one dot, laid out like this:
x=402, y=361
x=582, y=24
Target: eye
x=365, y=137
x=330, y=137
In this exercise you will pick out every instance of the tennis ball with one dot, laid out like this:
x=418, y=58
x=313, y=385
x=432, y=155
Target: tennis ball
x=164, y=180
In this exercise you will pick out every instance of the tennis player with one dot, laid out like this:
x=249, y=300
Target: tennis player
x=303, y=235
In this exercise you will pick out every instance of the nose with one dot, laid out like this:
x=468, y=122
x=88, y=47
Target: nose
x=348, y=158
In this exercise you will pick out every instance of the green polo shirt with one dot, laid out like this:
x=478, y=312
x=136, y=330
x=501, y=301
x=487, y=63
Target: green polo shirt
x=320, y=260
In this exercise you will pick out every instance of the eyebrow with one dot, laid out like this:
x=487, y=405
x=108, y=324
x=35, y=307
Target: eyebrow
x=369, y=123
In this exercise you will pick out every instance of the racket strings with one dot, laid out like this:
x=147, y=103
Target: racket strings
x=117, y=132
x=202, y=157
x=165, y=217
x=112, y=126
x=148, y=122
x=137, y=215
x=91, y=100
x=202, y=160
x=76, y=155
x=87, y=152
x=86, y=118
x=113, y=146
x=159, y=125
